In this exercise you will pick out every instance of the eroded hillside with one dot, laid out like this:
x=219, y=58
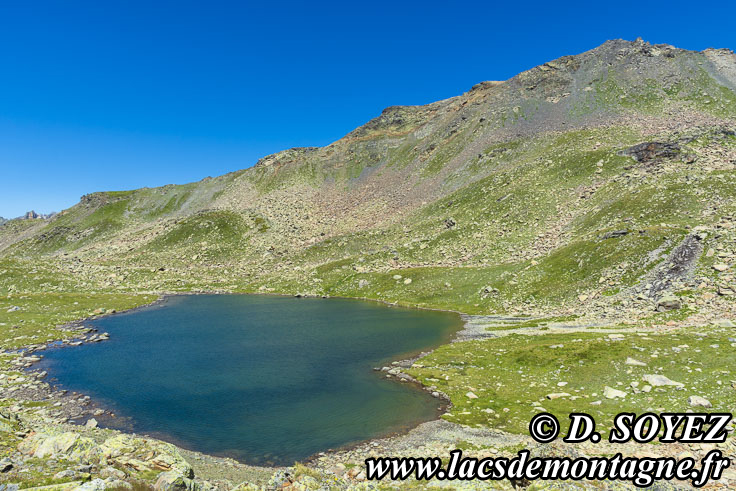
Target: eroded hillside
x=528, y=195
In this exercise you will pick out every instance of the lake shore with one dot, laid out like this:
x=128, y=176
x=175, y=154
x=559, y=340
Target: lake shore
x=83, y=414
x=36, y=426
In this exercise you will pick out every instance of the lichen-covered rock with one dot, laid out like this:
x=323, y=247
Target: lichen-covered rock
x=668, y=302
x=93, y=485
x=70, y=445
x=174, y=481
x=127, y=452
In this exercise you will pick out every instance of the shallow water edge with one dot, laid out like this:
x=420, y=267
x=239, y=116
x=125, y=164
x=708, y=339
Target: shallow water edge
x=398, y=362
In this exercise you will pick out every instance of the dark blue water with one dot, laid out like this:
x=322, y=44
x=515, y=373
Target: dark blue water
x=261, y=378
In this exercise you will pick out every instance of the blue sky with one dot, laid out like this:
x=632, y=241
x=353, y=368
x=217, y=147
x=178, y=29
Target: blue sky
x=118, y=95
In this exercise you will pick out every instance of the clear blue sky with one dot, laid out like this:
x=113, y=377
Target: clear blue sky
x=109, y=95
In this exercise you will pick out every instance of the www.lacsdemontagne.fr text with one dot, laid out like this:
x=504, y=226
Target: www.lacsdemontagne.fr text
x=641, y=472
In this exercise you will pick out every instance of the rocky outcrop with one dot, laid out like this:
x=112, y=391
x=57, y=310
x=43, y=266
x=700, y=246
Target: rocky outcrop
x=651, y=151
x=132, y=454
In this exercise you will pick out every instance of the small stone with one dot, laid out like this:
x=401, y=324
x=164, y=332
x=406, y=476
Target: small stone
x=112, y=473
x=611, y=393
x=470, y=395
x=668, y=302
x=697, y=401
x=661, y=381
x=720, y=267
x=173, y=481
x=557, y=395
x=91, y=423
x=407, y=281
x=635, y=363
x=65, y=474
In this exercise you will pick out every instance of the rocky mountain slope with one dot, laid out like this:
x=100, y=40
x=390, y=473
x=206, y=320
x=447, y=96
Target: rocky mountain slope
x=595, y=190
x=501, y=199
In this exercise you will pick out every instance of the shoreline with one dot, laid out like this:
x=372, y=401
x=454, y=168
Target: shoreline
x=75, y=413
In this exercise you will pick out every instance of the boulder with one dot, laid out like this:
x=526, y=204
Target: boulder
x=93, y=485
x=611, y=393
x=43, y=445
x=174, y=481
x=651, y=151
x=661, y=381
x=668, y=302
x=697, y=401
x=124, y=451
x=112, y=473
x=724, y=323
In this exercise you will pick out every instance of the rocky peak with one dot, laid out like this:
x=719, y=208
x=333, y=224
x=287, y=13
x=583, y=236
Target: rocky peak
x=32, y=215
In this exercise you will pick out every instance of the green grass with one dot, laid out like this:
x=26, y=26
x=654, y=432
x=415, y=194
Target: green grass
x=515, y=371
x=40, y=313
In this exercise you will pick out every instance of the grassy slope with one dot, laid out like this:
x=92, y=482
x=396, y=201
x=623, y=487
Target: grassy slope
x=527, y=207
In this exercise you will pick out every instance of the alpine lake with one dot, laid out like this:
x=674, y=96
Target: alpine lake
x=267, y=380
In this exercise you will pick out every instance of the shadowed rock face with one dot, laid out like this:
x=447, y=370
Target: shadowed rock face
x=679, y=265
x=649, y=151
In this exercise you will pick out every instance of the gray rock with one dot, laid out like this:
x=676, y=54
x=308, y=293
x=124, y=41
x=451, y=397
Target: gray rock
x=635, y=363
x=557, y=395
x=611, y=393
x=93, y=485
x=614, y=234
x=117, y=485
x=650, y=151
x=112, y=473
x=66, y=474
x=661, y=381
x=724, y=323
x=668, y=302
x=697, y=401
x=174, y=481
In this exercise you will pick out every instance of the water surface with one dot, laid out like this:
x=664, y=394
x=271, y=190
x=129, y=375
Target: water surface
x=264, y=379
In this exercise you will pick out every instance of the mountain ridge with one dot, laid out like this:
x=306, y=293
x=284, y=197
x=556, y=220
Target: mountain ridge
x=425, y=173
